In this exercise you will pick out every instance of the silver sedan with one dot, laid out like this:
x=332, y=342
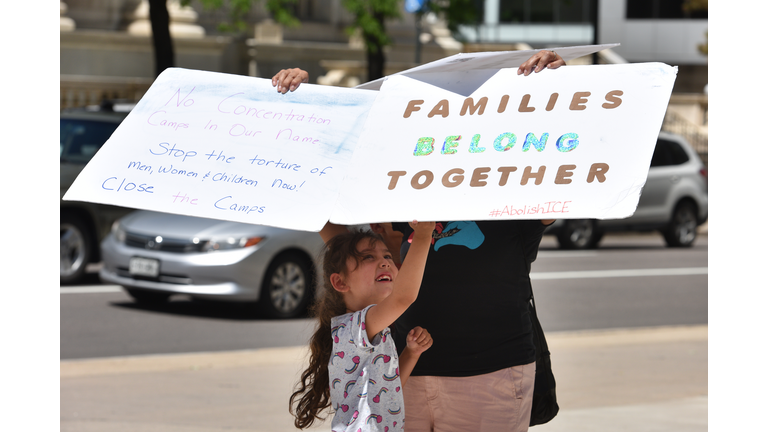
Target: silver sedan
x=155, y=255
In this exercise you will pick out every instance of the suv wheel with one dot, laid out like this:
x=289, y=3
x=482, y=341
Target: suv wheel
x=74, y=249
x=287, y=287
x=579, y=234
x=681, y=231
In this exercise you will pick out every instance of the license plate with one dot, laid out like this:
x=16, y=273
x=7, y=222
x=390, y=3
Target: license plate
x=148, y=267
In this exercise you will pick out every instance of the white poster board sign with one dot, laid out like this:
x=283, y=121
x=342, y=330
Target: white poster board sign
x=575, y=142
x=229, y=147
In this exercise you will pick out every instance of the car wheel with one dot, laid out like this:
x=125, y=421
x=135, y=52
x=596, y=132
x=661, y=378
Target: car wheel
x=579, y=234
x=681, y=231
x=75, y=249
x=147, y=297
x=287, y=287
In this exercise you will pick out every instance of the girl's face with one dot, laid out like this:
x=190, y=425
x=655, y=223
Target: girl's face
x=372, y=279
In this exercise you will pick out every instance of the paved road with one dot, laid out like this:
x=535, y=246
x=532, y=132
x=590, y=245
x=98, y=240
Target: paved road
x=632, y=281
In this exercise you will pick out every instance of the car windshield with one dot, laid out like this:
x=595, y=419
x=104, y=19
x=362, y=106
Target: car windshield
x=80, y=139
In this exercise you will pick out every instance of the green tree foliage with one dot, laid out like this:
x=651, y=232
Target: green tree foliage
x=458, y=12
x=281, y=11
x=694, y=6
x=370, y=17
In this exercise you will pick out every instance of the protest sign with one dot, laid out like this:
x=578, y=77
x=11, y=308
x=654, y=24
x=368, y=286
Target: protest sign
x=229, y=147
x=575, y=142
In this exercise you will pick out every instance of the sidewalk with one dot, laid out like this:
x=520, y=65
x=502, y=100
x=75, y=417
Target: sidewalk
x=651, y=379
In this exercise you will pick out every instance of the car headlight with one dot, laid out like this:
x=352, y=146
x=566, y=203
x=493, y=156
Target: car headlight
x=230, y=243
x=118, y=232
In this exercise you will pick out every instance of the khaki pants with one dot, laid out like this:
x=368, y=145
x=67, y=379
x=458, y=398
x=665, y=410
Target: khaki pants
x=494, y=402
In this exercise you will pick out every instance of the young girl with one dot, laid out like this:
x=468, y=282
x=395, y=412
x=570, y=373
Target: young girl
x=354, y=366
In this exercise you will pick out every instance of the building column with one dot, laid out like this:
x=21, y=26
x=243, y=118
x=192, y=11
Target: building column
x=65, y=23
x=182, y=25
x=491, y=13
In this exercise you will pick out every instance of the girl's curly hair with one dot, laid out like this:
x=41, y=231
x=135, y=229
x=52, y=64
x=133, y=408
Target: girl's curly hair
x=312, y=394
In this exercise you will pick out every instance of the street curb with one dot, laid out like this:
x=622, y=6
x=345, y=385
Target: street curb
x=297, y=354
x=186, y=361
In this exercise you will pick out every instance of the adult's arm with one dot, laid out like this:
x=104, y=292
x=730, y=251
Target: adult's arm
x=542, y=59
x=331, y=230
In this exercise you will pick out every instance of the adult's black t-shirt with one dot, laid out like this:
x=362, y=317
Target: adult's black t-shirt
x=474, y=297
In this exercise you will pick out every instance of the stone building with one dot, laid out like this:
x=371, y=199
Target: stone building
x=106, y=46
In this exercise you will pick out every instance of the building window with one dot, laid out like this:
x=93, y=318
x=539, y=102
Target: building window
x=544, y=11
x=666, y=9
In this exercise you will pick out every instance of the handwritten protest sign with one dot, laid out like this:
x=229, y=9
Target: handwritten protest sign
x=229, y=147
x=575, y=142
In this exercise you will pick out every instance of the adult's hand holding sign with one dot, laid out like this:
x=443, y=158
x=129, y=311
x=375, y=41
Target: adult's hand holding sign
x=229, y=147
x=575, y=142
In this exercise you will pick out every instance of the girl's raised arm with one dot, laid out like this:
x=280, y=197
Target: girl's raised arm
x=407, y=283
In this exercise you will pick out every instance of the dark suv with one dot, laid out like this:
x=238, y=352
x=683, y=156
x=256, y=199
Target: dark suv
x=83, y=225
x=674, y=201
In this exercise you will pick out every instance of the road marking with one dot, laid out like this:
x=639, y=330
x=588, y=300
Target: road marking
x=566, y=254
x=684, y=271
x=584, y=274
x=90, y=289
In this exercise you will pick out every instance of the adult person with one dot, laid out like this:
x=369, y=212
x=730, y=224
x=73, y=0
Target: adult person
x=479, y=374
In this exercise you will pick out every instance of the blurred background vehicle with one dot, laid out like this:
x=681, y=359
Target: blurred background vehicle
x=674, y=201
x=155, y=255
x=83, y=225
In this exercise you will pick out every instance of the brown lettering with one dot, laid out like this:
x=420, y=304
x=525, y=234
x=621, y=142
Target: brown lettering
x=578, y=101
x=524, y=104
x=528, y=174
x=441, y=108
x=503, y=103
x=597, y=171
x=563, y=173
x=612, y=97
x=469, y=105
x=428, y=179
x=478, y=177
x=412, y=107
x=456, y=180
x=552, y=101
x=505, y=174
x=395, y=175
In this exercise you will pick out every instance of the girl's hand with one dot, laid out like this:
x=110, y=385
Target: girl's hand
x=422, y=227
x=289, y=79
x=418, y=340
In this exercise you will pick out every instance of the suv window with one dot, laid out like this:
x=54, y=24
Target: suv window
x=668, y=153
x=80, y=139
